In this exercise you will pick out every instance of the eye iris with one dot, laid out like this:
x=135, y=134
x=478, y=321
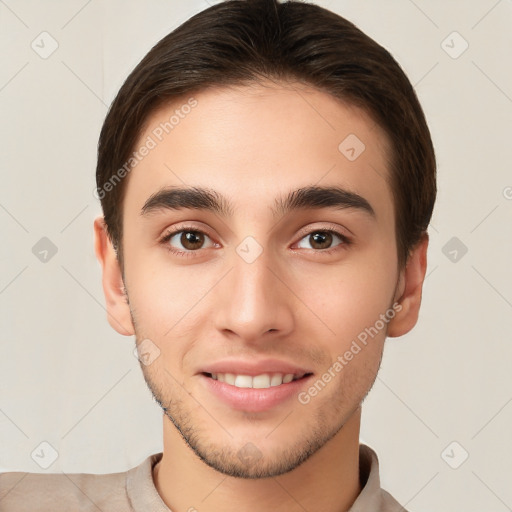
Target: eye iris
x=192, y=239
x=322, y=238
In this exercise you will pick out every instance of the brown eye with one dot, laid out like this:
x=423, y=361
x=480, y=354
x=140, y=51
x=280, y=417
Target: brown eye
x=186, y=240
x=192, y=240
x=323, y=239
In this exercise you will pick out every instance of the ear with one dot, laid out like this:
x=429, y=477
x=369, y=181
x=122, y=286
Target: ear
x=118, y=311
x=409, y=290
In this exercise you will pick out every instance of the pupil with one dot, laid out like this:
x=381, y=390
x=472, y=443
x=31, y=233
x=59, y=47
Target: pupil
x=322, y=239
x=191, y=238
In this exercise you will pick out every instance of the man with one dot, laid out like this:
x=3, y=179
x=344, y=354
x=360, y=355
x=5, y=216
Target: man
x=267, y=178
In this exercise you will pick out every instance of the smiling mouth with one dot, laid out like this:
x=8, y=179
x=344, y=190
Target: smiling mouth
x=261, y=381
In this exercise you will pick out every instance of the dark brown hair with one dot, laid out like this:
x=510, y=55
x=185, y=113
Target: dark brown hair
x=242, y=41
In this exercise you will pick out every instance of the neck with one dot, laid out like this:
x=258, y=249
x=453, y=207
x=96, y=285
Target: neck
x=327, y=481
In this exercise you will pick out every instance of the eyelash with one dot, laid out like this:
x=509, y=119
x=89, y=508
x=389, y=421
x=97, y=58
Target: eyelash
x=345, y=241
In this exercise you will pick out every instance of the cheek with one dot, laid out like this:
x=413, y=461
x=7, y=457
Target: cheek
x=351, y=306
x=166, y=299
x=350, y=298
x=343, y=385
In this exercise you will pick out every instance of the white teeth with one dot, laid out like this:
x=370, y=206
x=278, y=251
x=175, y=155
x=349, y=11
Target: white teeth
x=263, y=381
x=287, y=378
x=276, y=380
x=243, y=381
x=229, y=378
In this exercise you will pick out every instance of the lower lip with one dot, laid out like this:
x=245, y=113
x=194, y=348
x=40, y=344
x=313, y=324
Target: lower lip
x=252, y=399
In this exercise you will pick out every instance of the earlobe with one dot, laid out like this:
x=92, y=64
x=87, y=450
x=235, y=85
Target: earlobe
x=409, y=290
x=118, y=311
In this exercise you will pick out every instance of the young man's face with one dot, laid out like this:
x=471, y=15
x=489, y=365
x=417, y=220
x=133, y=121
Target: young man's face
x=257, y=291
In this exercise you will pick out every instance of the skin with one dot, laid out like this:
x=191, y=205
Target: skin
x=294, y=303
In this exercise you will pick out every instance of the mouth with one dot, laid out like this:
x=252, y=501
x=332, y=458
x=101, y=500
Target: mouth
x=257, y=393
x=261, y=381
x=254, y=385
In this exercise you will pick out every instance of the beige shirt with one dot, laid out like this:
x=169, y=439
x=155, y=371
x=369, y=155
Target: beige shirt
x=135, y=491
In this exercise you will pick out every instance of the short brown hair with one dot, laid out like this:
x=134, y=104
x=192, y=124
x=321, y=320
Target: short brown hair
x=242, y=41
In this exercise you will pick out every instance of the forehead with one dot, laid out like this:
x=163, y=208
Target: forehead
x=260, y=141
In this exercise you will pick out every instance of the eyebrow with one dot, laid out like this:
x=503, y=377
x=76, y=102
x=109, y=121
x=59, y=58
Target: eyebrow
x=312, y=197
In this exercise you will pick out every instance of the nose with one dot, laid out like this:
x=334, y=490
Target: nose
x=254, y=300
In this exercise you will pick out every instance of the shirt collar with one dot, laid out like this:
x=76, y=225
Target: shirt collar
x=369, y=498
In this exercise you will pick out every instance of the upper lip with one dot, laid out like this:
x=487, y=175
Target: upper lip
x=252, y=368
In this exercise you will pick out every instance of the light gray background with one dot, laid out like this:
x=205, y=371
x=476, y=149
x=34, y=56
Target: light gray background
x=68, y=379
